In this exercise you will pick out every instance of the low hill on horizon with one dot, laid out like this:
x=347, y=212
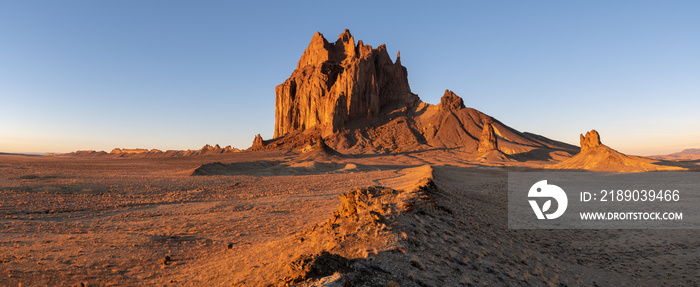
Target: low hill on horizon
x=140, y=152
x=684, y=155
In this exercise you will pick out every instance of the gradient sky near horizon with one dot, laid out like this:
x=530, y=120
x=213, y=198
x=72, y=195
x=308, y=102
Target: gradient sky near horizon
x=97, y=75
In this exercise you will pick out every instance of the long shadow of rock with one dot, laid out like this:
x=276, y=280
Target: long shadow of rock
x=238, y=168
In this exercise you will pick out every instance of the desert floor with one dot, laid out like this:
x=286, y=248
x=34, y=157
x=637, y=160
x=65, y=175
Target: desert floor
x=148, y=221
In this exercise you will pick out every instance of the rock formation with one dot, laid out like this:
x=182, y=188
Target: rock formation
x=451, y=102
x=684, y=155
x=360, y=101
x=590, y=140
x=86, y=153
x=228, y=148
x=128, y=151
x=258, y=143
x=207, y=148
x=488, y=140
x=452, y=125
x=139, y=152
x=337, y=82
x=595, y=156
x=318, y=150
x=689, y=151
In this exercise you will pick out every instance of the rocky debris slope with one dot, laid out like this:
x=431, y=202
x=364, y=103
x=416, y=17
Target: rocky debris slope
x=318, y=150
x=415, y=235
x=595, y=156
x=448, y=125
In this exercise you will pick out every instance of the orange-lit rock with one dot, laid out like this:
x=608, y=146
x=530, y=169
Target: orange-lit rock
x=590, y=140
x=596, y=156
x=488, y=140
x=451, y=102
x=336, y=82
x=258, y=143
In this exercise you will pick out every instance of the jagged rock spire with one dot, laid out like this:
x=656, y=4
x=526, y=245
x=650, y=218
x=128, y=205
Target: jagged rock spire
x=337, y=82
x=590, y=140
x=451, y=102
x=488, y=140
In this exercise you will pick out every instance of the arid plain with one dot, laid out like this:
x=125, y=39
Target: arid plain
x=113, y=221
x=363, y=184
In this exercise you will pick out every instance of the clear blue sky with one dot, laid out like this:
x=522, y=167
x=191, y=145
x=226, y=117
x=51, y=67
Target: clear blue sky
x=181, y=74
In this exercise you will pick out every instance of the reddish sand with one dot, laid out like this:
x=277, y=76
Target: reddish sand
x=258, y=218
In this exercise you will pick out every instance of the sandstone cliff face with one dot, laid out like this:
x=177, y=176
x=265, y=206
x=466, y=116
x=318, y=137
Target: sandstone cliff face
x=336, y=82
x=590, y=140
x=488, y=140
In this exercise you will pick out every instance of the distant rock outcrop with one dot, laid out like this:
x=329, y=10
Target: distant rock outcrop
x=684, y=155
x=258, y=143
x=451, y=102
x=590, y=140
x=86, y=153
x=318, y=150
x=229, y=148
x=488, y=141
x=695, y=151
x=336, y=82
x=216, y=149
x=596, y=156
x=207, y=148
x=140, y=152
x=119, y=151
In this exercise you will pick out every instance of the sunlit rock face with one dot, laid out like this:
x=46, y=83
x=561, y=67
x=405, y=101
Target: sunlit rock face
x=488, y=140
x=590, y=140
x=336, y=82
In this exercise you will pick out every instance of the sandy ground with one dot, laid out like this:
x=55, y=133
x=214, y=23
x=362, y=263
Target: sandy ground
x=129, y=221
